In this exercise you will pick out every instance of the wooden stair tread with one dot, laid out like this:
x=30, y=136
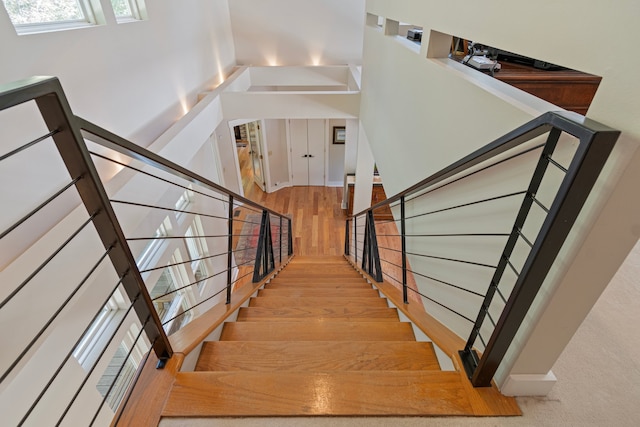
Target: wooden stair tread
x=320, y=271
x=319, y=340
x=316, y=356
x=319, y=282
x=324, y=259
x=317, y=313
x=313, y=292
x=330, y=301
x=315, y=278
x=296, y=394
x=318, y=286
x=317, y=331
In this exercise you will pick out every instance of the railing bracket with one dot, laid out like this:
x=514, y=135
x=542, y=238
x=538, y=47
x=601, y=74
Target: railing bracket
x=470, y=361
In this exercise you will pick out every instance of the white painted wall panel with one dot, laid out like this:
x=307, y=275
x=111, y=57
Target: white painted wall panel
x=297, y=32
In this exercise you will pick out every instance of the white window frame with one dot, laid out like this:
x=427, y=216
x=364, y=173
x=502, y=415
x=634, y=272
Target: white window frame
x=138, y=11
x=197, y=248
x=138, y=350
x=183, y=202
x=183, y=298
x=148, y=254
x=88, y=9
x=87, y=351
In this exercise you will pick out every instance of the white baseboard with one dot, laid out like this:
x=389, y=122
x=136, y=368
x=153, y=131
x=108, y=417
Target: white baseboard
x=334, y=184
x=528, y=384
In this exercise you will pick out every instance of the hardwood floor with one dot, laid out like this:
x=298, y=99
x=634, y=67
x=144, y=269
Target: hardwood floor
x=319, y=340
x=318, y=218
x=322, y=355
x=319, y=221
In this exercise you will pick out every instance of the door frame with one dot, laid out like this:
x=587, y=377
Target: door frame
x=325, y=148
x=257, y=153
x=263, y=147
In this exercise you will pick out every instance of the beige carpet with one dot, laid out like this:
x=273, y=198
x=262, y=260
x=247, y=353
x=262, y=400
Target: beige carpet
x=598, y=375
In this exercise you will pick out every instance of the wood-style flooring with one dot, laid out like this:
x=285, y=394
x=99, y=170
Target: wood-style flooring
x=317, y=214
x=320, y=340
x=321, y=355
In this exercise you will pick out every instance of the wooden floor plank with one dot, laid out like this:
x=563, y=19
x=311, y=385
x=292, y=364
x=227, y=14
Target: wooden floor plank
x=201, y=394
x=315, y=292
x=312, y=352
x=318, y=279
x=315, y=285
x=316, y=356
x=265, y=314
x=317, y=302
x=299, y=275
x=317, y=331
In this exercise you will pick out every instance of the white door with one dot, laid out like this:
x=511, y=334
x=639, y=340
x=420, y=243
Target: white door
x=316, y=143
x=299, y=152
x=307, y=151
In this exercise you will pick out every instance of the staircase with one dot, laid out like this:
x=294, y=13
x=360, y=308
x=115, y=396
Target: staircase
x=317, y=340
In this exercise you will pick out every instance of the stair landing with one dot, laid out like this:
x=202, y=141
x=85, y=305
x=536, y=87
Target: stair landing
x=319, y=340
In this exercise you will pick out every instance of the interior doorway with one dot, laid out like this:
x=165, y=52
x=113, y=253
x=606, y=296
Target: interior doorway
x=307, y=138
x=249, y=138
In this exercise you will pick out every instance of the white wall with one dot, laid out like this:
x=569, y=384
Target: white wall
x=454, y=110
x=335, y=156
x=228, y=157
x=187, y=143
x=275, y=136
x=350, y=156
x=144, y=74
x=135, y=79
x=297, y=32
x=293, y=105
x=364, y=173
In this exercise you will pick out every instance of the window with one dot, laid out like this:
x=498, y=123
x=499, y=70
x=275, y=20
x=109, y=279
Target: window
x=149, y=252
x=184, y=201
x=49, y=15
x=92, y=343
x=122, y=367
x=38, y=16
x=172, y=297
x=197, y=248
x=128, y=10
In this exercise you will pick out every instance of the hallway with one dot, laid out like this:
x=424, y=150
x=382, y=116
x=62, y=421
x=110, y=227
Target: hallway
x=316, y=212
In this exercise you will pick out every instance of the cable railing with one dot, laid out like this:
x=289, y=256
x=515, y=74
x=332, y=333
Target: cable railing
x=473, y=243
x=122, y=248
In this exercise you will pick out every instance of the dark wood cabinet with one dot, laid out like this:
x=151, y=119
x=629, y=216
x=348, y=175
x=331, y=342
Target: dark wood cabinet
x=569, y=89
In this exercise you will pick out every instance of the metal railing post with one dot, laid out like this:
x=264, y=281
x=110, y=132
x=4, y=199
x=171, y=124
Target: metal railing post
x=264, y=263
x=370, y=254
x=403, y=233
x=230, y=249
x=57, y=115
x=346, y=238
x=280, y=241
x=290, y=238
x=585, y=168
x=470, y=360
x=355, y=238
